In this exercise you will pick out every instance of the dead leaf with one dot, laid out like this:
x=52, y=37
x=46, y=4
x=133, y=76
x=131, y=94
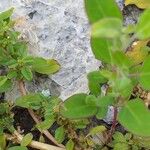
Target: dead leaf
x=138, y=52
x=143, y=4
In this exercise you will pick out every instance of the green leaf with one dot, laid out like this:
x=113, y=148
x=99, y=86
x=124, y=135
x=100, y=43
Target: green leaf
x=96, y=130
x=121, y=60
x=143, y=26
x=46, y=124
x=70, y=145
x=121, y=146
x=91, y=100
x=44, y=66
x=145, y=74
x=2, y=141
x=107, y=28
x=32, y=100
x=17, y=148
x=131, y=117
x=6, y=14
x=98, y=9
x=3, y=80
x=12, y=74
x=27, y=73
x=6, y=86
x=103, y=103
x=95, y=79
x=119, y=137
x=60, y=134
x=75, y=107
x=27, y=139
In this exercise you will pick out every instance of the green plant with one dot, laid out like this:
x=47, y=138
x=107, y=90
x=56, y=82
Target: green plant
x=125, y=56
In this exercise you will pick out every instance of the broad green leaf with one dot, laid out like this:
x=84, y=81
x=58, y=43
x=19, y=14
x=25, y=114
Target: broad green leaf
x=3, y=79
x=144, y=78
x=131, y=117
x=27, y=73
x=75, y=107
x=70, y=145
x=27, y=139
x=101, y=49
x=32, y=100
x=98, y=9
x=18, y=148
x=107, y=28
x=95, y=80
x=6, y=86
x=143, y=26
x=91, y=100
x=96, y=130
x=6, y=14
x=60, y=134
x=121, y=60
x=2, y=141
x=44, y=66
x=139, y=3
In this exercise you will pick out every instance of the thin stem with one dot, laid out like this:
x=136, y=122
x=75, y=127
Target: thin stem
x=17, y=138
x=114, y=123
x=31, y=112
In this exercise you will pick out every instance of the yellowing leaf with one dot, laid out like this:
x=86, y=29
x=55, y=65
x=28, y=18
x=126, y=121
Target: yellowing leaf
x=138, y=52
x=139, y=3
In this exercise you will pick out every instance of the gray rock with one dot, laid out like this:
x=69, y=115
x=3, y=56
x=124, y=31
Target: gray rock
x=59, y=29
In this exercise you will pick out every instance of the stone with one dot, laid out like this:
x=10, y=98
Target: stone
x=60, y=29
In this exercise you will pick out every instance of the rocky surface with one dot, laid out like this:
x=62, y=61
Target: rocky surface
x=59, y=29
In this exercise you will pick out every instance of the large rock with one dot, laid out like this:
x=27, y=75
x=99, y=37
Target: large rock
x=59, y=29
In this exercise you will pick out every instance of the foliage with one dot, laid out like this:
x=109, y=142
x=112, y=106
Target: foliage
x=124, y=53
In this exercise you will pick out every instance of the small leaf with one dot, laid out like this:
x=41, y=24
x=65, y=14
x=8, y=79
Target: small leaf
x=96, y=130
x=17, y=148
x=3, y=79
x=121, y=146
x=95, y=80
x=75, y=107
x=27, y=73
x=105, y=28
x=145, y=74
x=139, y=3
x=6, y=14
x=2, y=141
x=131, y=117
x=6, y=86
x=70, y=145
x=12, y=74
x=98, y=9
x=44, y=66
x=119, y=137
x=27, y=139
x=143, y=26
x=32, y=100
x=60, y=134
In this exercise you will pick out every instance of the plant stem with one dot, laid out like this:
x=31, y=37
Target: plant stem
x=17, y=138
x=113, y=127
x=31, y=112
